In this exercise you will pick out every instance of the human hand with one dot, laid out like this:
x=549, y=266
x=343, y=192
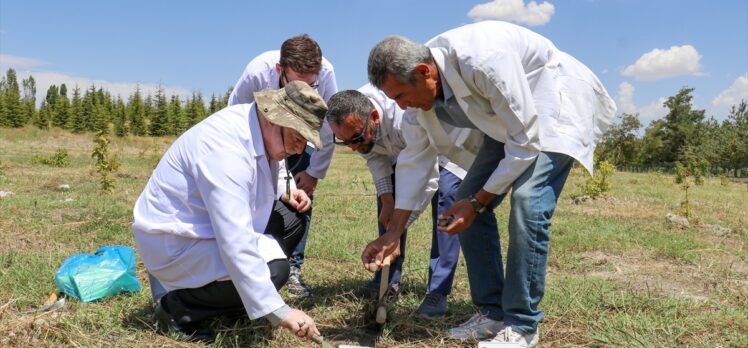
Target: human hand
x=300, y=324
x=298, y=200
x=458, y=217
x=305, y=182
x=387, y=244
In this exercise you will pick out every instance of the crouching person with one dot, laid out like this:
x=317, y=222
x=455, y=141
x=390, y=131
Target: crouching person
x=209, y=225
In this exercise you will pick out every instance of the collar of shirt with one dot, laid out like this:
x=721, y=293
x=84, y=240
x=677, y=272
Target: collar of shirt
x=258, y=146
x=447, y=93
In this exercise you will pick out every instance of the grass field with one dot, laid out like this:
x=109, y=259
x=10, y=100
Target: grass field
x=619, y=275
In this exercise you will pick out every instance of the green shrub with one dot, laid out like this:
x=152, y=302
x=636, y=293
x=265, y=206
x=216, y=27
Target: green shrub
x=599, y=185
x=60, y=159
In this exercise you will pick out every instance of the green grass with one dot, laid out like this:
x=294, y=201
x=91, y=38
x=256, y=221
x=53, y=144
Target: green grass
x=619, y=275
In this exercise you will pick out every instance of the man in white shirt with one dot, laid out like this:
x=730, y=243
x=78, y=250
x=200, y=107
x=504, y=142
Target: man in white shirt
x=372, y=124
x=300, y=58
x=208, y=225
x=539, y=108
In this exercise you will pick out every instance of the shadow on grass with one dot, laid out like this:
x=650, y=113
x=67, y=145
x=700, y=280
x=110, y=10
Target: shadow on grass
x=341, y=316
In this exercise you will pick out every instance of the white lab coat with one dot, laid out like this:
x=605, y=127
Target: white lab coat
x=518, y=88
x=391, y=142
x=202, y=214
x=260, y=74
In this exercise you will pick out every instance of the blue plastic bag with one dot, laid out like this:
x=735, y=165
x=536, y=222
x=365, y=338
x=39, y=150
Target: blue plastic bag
x=88, y=277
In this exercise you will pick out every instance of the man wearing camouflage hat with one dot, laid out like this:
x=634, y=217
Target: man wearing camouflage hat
x=209, y=225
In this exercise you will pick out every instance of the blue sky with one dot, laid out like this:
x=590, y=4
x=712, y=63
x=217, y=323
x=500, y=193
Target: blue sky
x=642, y=50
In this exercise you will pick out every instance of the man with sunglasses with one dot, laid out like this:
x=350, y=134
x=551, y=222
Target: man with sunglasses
x=300, y=58
x=372, y=124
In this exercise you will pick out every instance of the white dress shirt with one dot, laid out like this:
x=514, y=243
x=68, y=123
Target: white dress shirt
x=260, y=74
x=203, y=213
x=516, y=87
x=390, y=142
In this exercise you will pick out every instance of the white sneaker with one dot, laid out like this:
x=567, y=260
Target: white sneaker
x=478, y=327
x=508, y=335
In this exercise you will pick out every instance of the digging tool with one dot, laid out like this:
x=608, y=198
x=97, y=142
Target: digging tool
x=384, y=283
x=321, y=341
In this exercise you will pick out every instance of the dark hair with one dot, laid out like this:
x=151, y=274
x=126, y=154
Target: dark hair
x=302, y=54
x=344, y=103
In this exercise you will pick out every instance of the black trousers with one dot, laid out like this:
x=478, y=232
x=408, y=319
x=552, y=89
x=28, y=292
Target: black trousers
x=191, y=306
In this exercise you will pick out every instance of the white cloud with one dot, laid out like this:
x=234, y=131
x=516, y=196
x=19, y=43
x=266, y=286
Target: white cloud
x=7, y=60
x=647, y=113
x=731, y=96
x=44, y=79
x=514, y=11
x=625, y=98
x=660, y=64
x=653, y=111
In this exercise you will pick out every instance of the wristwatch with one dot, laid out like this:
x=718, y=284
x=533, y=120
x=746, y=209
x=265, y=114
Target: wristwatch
x=477, y=206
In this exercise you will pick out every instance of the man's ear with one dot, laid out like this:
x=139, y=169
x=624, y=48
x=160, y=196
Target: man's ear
x=375, y=116
x=278, y=68
x=424, y=70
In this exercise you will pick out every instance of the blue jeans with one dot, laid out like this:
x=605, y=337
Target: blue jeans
x=297, y=256
x=445, y=249
x=514, y=297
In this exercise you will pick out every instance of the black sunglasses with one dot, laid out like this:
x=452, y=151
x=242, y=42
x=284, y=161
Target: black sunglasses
x=358, y=139
x=284, y=80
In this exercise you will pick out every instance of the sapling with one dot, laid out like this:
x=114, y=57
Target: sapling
x=690, y=174
x=105, y=163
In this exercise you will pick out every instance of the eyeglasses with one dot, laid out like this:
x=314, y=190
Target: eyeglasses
x=358, y=139
x=284, y=80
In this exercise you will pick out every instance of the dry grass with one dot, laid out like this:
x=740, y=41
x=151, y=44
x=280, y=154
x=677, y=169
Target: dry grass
x=619, y=275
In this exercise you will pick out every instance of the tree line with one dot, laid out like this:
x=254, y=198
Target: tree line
x=683, y=135
x=96, y=110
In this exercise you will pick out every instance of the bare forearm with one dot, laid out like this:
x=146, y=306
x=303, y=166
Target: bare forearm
x=398, y=222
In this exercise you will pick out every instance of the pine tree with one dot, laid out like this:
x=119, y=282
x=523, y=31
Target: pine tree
x=681, y=126
x=4, y=122
x=120, y=118
x=76, y=111
x=89, y=112
x=136, y=113
x=61, y=111
x=176, y=116
x=226, y=96
x=195, y=109
x=214, y=105
x=29, y=100
x=12, y=97
x=160, y=118
x=42, y=118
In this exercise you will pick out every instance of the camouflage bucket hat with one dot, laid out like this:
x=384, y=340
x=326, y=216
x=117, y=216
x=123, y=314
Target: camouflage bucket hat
x=296, y=106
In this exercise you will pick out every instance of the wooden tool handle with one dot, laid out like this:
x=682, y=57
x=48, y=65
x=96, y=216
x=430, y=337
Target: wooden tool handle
x=384, y=280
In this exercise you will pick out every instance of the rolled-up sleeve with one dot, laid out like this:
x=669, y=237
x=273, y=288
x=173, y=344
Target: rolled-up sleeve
x=224, y=180
x=417, y=170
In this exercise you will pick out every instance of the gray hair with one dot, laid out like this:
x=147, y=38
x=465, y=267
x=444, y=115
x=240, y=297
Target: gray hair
x=398, y=56
x=344, y=103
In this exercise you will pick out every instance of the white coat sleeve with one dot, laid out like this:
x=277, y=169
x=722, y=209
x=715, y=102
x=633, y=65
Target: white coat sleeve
x=243, y=92
x=321, y=158
x=417, y=170
x=500, y=78
x=224, y=180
